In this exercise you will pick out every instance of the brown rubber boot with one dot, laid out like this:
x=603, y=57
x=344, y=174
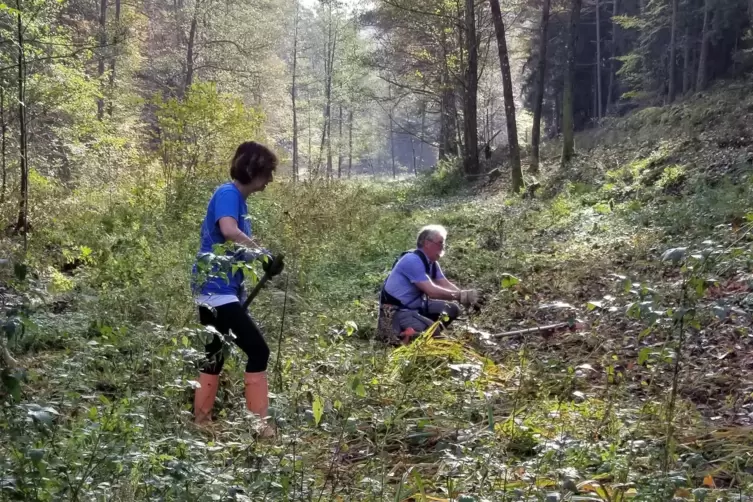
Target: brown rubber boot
x=408, y=335
x=203, y=400
x=257, y=399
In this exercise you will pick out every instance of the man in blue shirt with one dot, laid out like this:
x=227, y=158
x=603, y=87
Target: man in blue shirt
x=416, y=293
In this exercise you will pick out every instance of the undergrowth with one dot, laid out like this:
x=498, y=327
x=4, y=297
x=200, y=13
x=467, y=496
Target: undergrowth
x=651, y=250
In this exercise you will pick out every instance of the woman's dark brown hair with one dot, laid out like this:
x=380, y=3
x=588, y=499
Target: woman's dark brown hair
x=252, y=160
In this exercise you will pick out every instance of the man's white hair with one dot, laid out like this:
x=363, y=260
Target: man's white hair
x=429, y=232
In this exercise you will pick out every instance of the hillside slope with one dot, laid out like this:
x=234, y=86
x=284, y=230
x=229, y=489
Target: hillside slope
x=646, y=239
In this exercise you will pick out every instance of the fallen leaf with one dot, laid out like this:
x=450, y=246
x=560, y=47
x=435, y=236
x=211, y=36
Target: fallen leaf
x=683, y=492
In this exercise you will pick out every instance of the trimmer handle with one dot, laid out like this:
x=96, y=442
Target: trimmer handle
x=275, y=263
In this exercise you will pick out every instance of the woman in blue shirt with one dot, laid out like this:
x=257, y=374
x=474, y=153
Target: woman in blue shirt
x=220, y=297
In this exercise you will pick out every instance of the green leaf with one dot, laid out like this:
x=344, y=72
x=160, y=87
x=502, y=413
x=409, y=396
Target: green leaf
x=9, y=10
x=20, y=270
x=350, y=328
x=643, y=355
x=357, y=386
x=509, y=281
x=36, y=455
x=627, y=285
x=10, y=327
x=318, y=409
x=594, y=305
x=12, y=384
x=634, y=311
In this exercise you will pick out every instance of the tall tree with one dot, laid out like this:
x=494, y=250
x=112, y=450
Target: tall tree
x=512, y=128
x=293, y=91
x=613, y=59
x=350, y=142
x=687, y=65
x=538, y=102
x=672, y=54
x=598, y=59
x=390, y=116
x=113, y=58
x=3, y=135
x=568, y=105
x=470, y=112
x=22, y=224
x=329, y=69
x=340, y=141
x=102, y=48
x=190, y=57
x=703, y=57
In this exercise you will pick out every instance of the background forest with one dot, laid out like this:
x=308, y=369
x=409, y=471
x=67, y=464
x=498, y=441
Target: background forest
x=592, y=160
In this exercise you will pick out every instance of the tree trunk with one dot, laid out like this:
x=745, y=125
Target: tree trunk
x=3, y=131
x=598, y=60
x=557, y=113
x=308, y=117
x=492, y=126
x=328, y=70
x=512, y=128
x=448, y=142
x=350, y=143
x=339, y=143
x=460, y=84
x=190, y=51
x=423, y=128
x=113, y=58
x=470, y=114
x=392, y=150
x=23, y=210
x=672, y=54
x=568, y=139
x=701, y=79
x=687, y=66
x=612, y=69
x=293, y=96
x=392, y=134
x=538, y=102
x=413, y=150
x=101, y=63
x=594, y=103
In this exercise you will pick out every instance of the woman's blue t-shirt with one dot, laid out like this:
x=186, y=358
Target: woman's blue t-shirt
x=227, y=200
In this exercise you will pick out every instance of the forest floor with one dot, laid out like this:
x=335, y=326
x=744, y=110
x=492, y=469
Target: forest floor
x=646, y=238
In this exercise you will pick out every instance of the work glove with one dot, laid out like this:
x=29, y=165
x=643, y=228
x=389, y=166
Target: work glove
x=273, y=266
x=468, y=297
x=250, y=254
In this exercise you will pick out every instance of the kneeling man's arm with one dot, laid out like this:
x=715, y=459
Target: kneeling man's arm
x=446, y=284
x=437, y=291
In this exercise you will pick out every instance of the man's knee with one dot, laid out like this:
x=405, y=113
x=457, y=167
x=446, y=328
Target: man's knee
x=453, y=310
x=411, y=319
x=436, y=308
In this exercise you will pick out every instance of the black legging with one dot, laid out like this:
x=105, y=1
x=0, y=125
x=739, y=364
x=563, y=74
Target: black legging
x=232, y=316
